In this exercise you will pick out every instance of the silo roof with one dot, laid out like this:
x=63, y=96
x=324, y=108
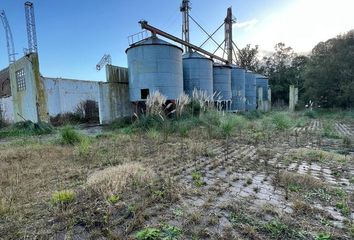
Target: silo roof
x=195, y=55
x=152, y=41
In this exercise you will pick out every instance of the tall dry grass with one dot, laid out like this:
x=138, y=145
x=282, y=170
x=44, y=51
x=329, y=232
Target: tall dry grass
x=114, y=180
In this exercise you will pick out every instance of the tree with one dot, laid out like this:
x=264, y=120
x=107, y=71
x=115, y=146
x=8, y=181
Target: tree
x=247, y=58
x=283, y=68
x=330, y=73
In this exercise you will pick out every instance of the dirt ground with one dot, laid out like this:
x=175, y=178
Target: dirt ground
x=292, y=184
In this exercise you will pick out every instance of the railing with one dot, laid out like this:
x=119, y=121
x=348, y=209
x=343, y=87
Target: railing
x=138, y=37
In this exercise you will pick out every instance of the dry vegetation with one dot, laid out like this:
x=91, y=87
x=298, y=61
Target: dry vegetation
x=204, y=176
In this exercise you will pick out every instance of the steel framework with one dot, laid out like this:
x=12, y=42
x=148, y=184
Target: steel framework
x=106, y=59
x=31, y=27
x=144, y=25
x=9, y=38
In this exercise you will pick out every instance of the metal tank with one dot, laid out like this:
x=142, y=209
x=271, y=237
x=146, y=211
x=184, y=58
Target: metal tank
x=197, y=73
x=238, y=88
x=263, y=82
x=250, y=91
x=222, y=82
x=154, y=65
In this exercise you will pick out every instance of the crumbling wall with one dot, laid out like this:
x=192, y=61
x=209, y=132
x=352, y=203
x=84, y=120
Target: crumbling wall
x=65, y=95
x=5, y=89
x=114, y=100
x=28, y=94
x=6, y=109
x=24, y=100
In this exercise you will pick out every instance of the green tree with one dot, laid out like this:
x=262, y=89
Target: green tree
x=330, y=73
x=277, y=68
x=247, y=58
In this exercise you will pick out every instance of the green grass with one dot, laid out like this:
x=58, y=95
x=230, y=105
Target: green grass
x=27, y=128
x=69, y=136
x=63, y=197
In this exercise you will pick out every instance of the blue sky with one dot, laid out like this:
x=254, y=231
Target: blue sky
x=74, y=35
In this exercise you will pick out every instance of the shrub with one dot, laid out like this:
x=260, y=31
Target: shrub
x=63, y=197
x=70, y=136
x=114, y=180
x=281, y=121
x=148, y=234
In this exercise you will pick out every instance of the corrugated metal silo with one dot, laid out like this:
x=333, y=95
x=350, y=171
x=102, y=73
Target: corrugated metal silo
x=222, y=81
x=154, y=65
x=262, y=81
x=238, y=88
x=197, y=73
x=250, y=91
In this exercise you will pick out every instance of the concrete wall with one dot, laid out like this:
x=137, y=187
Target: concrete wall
x=29, y=103
x=64, y=95
x=5, y=89
x=7, y=109
x=25, y=102
x=114, y=100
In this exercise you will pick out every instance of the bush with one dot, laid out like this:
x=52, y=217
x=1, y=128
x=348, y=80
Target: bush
x=63, y=197
x=281, y=121
x=70, y=136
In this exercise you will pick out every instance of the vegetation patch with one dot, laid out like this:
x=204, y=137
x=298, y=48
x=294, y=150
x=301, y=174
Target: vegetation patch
x=114, y=180
x=63, y=197
x=26, y=128
x=69, y=136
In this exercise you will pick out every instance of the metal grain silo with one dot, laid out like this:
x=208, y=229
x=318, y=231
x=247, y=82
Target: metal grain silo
x=222, y=81
x=250, y=91
x=238, y=88
x=154, y=65
x=197, y=73
x=262, y=81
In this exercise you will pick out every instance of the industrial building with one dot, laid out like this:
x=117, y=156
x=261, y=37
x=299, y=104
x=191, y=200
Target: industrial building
x=153, y=65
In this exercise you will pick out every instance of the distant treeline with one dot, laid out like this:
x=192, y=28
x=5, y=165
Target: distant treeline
x=325, y=76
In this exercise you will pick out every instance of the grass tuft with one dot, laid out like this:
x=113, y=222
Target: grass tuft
x=69, y=136
x=63, y=197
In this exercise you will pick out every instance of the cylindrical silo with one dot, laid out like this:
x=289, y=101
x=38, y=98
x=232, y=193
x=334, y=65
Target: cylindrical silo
x=238, y=88
x=222, y=82
x=197, y=73
x=262, y=81
x=250, y=91
x=154, y=65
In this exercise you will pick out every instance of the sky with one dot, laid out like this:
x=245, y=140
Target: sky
x=74, y=35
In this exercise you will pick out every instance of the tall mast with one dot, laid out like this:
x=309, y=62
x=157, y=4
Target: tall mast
x=185, y=24
x=228, y=34
x=31, y=28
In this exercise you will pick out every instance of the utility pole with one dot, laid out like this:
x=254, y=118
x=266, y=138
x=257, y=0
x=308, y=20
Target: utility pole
x=229, y=20
x=185, y=24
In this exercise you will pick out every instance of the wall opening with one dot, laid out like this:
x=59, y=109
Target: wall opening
x=144, y=93
x=20, y=80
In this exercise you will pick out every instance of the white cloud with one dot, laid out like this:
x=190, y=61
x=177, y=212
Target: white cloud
x=247, y=24
x=301, y=25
